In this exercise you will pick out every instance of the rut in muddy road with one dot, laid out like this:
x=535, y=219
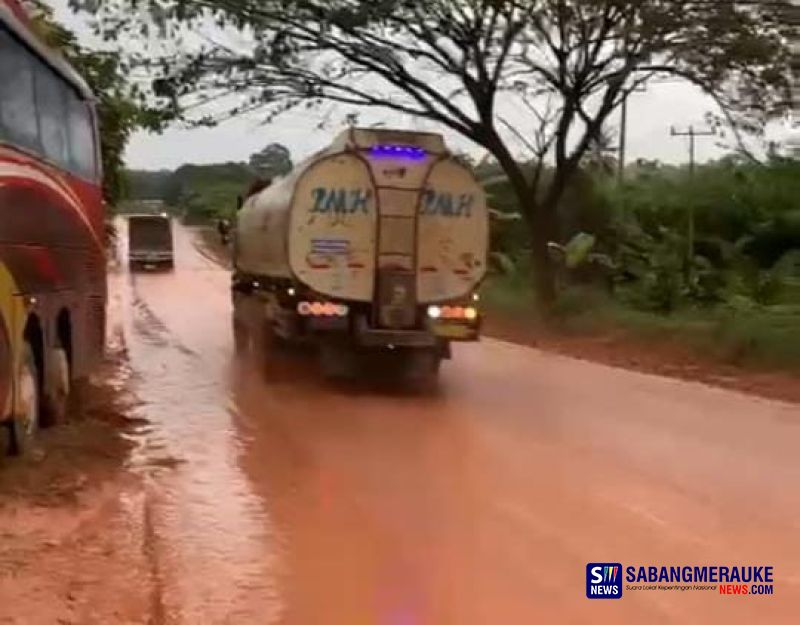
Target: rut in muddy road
x=258, y=493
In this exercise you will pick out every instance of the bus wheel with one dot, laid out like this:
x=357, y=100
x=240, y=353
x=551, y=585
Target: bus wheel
x=26, y=422
x=56, y=400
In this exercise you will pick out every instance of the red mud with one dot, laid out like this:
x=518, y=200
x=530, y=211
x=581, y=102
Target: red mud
x=260, y=495
x=659, y=357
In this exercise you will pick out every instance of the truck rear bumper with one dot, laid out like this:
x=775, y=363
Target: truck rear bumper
x=150, y=257
x=366, y=336
x=456, y=331
x=370, y=337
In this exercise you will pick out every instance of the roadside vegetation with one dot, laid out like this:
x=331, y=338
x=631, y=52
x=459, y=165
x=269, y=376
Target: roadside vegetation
x=201, y=194
x=625, y=260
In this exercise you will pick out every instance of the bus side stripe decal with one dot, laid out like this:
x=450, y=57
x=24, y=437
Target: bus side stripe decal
x=9, y=171
x=8, y=156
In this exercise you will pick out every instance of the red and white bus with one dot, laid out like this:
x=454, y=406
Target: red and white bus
x=52, y=252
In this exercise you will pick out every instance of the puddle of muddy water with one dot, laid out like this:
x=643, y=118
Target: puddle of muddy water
x=211, y=539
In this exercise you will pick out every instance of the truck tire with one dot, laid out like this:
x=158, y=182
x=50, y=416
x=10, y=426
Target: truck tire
x=24, y=426
x=241, y=336
x=250, y=340
x=337, y=360
x=421, y=369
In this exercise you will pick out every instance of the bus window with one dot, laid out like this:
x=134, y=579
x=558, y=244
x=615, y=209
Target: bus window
x=51, y=104
x=81, y=137
x=17, y=124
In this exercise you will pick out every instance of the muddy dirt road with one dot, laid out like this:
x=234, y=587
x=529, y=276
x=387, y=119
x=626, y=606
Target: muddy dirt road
x=263, y=495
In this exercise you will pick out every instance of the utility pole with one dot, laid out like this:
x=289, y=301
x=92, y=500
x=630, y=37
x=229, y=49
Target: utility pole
x=692, y=134
x=623, y=130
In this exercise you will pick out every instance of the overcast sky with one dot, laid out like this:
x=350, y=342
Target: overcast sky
x=650, y=115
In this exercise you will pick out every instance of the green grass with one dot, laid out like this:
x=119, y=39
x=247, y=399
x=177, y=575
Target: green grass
x=763, y=337
x=510, y=294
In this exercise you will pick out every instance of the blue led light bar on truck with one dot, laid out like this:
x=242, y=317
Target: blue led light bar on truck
x=399, y=152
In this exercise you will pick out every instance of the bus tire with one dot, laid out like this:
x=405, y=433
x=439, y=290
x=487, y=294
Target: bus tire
x=25, y=424
x=56, y=400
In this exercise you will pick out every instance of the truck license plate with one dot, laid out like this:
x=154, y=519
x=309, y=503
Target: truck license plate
x=453, y=331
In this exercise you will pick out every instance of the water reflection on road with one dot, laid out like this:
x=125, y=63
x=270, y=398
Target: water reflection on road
x=213, y=544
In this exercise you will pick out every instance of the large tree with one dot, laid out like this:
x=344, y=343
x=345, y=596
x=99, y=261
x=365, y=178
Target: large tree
x=761, y=117
x=272, y=161
x=538, y=75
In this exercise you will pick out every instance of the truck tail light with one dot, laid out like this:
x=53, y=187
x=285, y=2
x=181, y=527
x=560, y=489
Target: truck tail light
x=322, y=309
x=468, y=313
x=434, y=312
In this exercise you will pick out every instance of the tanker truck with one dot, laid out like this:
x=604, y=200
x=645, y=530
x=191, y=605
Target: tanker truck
x=375, y=245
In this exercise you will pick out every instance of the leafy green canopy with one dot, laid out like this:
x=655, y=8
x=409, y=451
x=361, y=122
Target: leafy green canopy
x=535, y=75
x=209, y=191
x=273, y=161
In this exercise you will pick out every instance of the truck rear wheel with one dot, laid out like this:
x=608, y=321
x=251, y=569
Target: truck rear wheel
x=241, y=336
x=252, y=338
x=421, y=368
x=338, y=360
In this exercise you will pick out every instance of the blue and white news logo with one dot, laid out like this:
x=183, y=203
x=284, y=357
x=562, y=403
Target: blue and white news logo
x=604, y=580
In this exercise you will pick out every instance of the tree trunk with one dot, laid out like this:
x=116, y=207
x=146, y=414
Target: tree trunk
x=541, y=226
x=545, y=229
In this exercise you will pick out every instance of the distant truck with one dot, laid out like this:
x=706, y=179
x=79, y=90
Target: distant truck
x=375, y=245
x=150, y=242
